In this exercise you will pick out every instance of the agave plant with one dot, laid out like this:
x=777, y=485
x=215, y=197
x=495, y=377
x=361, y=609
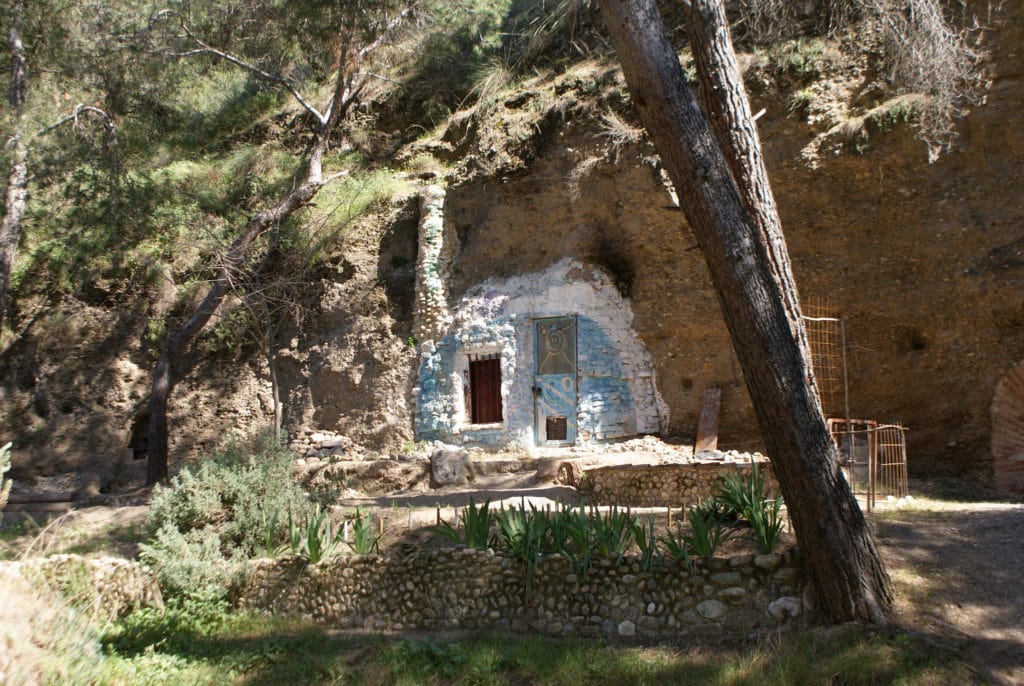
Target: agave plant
x=708, y=533
x=611, y=532
x=766, y=522
x=578, y=547
x=524, y=532
x=313, y=539
x=677, y=547
x=647, y=543
x=476, y=527
x=364, y=537
x=741, y=492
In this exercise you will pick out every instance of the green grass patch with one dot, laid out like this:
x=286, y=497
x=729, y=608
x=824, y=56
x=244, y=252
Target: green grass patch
x=199, y=643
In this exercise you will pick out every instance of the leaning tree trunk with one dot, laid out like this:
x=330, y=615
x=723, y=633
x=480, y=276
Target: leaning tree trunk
x=178, y=341
x=725, y=104
x=755, y=289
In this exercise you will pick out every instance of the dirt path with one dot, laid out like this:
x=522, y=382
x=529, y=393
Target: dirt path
x=958, y=574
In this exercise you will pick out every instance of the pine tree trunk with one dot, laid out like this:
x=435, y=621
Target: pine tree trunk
x=751, y=275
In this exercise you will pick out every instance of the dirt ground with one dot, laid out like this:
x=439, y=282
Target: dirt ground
x=957, y=571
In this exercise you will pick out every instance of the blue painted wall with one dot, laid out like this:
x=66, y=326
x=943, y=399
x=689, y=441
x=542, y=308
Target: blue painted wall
x=606, y=405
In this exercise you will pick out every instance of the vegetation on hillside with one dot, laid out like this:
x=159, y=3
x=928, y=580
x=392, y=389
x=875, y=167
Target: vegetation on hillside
x=139, y=215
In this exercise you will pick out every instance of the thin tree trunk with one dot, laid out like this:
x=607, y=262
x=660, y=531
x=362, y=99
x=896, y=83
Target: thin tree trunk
x=725, y=104
x=348, y=84
x=759, y=302
x=178, y=341
x=14, y=211
x=275, y=389
x=16, y=194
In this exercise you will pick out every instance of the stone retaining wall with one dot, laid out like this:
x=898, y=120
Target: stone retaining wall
x=463, y=588
x=107, y=587
x=666, y=485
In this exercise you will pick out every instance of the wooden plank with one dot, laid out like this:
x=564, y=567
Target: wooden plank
x=707, y=424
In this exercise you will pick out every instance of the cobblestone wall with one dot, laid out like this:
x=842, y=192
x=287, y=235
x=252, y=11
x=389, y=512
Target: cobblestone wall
x=470, y=589
x=663, y=485
x=105, y=586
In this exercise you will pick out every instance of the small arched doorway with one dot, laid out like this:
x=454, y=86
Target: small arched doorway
x=1008, y=432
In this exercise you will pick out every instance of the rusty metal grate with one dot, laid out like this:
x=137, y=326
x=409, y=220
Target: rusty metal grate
x=556, y=429
x=891, y=454
x=826, y=337
x=873, y=457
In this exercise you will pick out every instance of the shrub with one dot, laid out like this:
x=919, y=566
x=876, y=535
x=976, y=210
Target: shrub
x=213, y=517
x=192, y=564
x=235, y=491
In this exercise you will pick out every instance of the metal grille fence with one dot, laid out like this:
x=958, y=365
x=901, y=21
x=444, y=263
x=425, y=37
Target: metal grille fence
x=891, y=453
x=873, y=456
x=826, y=337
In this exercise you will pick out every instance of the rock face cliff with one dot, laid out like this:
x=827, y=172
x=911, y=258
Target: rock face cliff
x=925, y=261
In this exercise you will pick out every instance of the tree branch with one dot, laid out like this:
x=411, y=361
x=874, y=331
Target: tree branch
x=207, y=49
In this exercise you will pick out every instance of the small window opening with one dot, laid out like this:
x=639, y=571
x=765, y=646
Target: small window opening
x=485, y=388
x=556, y=429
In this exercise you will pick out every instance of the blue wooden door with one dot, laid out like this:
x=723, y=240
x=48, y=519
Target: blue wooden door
x=554, y=387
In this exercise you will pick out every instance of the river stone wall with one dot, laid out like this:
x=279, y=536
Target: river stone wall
x=663, y=485
x=464, y=588
x=106, y=587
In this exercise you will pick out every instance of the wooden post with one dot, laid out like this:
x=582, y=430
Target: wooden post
x=707, y=424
